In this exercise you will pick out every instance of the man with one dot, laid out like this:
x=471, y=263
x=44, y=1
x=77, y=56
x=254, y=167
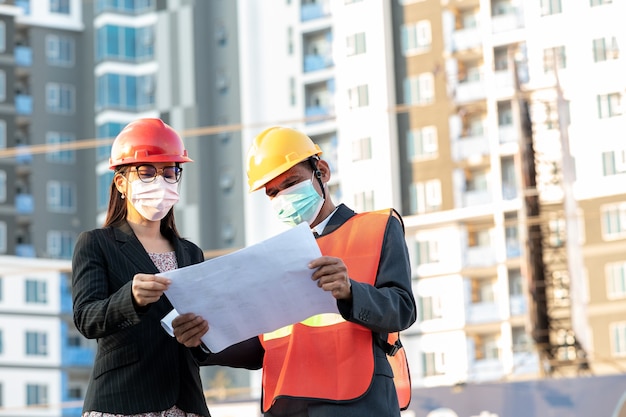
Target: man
x=328, y=365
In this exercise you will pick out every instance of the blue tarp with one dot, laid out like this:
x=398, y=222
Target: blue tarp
x=586, y=396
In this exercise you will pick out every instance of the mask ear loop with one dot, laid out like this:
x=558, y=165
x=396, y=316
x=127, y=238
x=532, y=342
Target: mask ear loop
x=318, y=174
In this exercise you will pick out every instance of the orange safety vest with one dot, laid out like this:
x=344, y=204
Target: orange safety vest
x=297, y=357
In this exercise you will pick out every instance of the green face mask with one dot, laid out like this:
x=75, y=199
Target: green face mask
x=298, y=203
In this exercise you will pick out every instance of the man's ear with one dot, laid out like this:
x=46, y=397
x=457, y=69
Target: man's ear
x=324, y=169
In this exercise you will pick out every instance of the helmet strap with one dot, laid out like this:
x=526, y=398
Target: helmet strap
x=317, y=173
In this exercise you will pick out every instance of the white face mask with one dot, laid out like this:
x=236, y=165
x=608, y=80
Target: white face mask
x=153, y=200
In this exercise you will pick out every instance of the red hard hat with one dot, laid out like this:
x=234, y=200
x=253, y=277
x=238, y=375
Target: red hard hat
x=147, y=140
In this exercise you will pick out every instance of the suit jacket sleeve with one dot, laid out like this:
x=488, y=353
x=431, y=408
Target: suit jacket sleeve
x=389, y=306
x=103, y=302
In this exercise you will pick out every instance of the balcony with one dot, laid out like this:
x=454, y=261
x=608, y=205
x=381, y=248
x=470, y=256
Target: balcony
x=24, y=203
x=24, y=104
x=23, y=56
x=23, y=155
x=479, y=256
x=471, y=91
x=25, y=250
x=317, y=62
x=487, y=312
x=511, y=20
x=464, y=39
x=470, y=147
x=77, y=356
x=313, y=11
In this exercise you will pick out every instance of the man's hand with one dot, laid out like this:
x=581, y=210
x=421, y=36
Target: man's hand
x=332, y=275
x=148, y=288
x=189, y=328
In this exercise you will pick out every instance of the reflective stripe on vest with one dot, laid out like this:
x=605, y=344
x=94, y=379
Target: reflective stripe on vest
x=326, y=357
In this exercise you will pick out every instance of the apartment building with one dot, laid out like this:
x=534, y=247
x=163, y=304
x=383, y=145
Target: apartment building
x=469, y=223
x=44, y=362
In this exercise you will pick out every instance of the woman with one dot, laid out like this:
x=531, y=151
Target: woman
x=139, y=369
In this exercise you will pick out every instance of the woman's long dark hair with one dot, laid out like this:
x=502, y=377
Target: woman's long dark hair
x=116, y=211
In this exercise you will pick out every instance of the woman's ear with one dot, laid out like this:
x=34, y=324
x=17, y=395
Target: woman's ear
x=120, y=182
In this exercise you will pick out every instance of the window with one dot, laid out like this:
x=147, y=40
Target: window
x=505, y=114
x=355, y=44
x=476, y=180
x=433, y=363
x=486, y=347
x=416, y=37
x=430, y=308
x=419, y=90
x=36, y=291
x=125, y=92
x=60, y=244
x=605, y=49
x=364, y=201
x=618, y=339
x=104, y=181
x=501, y=7
x=550, y=7
x=60, y=50
x=609, y=105
x=3, y=186
x=483, y=290
x=554, y=58
x=61, y=197
x=3, y=243
x=1, y=352
x=362, y=149
x=516, y=283
x=292, y=91
x=422, y=143
x=425, y=197
x=521, y=340
x=358, y=97
x=613, y=221
x=107, y=131
x=3, y=37
x=36, y=344
x=60, y=6
x=3, y=134
x=426, y=252
x=36, y=394
x=3, y=85
x=616, y=280
x=58, y=151
x=614, y=162
x=60, y=98
x=594, y=3
x=125, y=6
x=126, y=44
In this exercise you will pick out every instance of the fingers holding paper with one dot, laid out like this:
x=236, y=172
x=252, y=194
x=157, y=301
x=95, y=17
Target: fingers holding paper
x=148, y=288
x=332, y=275
x=189, y=328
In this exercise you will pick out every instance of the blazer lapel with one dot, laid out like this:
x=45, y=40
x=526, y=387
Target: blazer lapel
x=132, y=248
x=182, y=255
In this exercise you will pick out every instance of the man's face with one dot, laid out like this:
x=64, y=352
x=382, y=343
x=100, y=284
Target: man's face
x=293, y=176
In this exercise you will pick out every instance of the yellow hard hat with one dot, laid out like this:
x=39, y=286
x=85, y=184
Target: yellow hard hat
x=274, y=151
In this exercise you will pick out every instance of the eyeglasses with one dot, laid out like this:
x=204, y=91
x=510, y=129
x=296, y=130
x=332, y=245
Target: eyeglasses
x=148, y=173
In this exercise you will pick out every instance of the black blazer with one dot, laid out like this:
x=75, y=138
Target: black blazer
x=138, y=366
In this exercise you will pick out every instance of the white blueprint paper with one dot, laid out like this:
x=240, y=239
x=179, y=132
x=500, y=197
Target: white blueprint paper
x=252, y=291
